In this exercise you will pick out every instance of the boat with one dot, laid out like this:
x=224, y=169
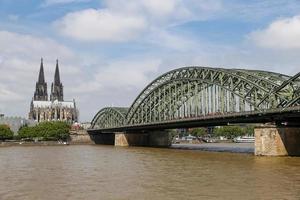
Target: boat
x=244, y=139
x=209, y=140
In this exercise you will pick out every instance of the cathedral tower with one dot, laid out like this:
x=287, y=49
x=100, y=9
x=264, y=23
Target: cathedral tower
x=57, y=87
x=40, y=93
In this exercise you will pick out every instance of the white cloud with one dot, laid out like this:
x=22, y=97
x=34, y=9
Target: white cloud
x=164, y=39
x=126, y=20
x=281, y=34
x=120, y=75
x=100, y=25
x=115, y=84
x=27, y=46
x=8, y=95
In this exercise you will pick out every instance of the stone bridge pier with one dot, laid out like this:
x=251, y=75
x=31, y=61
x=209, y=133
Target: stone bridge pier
x=271, y=140
x=161, y=138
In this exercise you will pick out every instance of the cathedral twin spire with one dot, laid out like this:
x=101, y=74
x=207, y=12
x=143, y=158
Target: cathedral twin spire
x=57, y=87
x=41, y=94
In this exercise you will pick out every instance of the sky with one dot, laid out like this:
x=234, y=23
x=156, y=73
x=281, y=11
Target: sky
x=109, y=50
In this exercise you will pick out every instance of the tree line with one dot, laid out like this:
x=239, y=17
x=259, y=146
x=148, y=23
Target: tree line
x=55, y=130
x=229, y=132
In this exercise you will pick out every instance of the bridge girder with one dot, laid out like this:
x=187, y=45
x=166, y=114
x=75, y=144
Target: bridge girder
x=109, y=117
x=200, y=91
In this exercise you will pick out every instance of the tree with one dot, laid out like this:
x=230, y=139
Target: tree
x=229, y=131
x=27, y=132
x=200, y=132
x=5, y=132
x=47, y=130
x=249, y=130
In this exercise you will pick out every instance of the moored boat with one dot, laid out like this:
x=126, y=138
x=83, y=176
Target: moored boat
x=244, y=139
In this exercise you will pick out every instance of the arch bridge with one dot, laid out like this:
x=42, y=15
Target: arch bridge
x=201, y=96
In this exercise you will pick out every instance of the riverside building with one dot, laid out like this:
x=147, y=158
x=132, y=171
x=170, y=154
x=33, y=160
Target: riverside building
x=54, y=108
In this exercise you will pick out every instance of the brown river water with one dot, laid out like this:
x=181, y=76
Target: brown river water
x=108, y=172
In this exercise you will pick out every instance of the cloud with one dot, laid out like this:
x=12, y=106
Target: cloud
x=116, y=83
x=121, y=75
x=8, y=95
x=127, y=20
x=100, y=25
x=281, y=34
x=167, y=40
x=27, y=46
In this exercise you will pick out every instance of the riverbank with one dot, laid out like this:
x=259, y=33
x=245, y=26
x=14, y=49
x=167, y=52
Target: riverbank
x=76, y=137
x=39, y=143
x=213, y=147
x=42, y=143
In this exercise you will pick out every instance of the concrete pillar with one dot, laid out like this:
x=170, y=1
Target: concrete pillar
x=277, y=141
x=131, y=139
x=121, y=139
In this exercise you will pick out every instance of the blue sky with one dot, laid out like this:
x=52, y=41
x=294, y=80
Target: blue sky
x=110, y=49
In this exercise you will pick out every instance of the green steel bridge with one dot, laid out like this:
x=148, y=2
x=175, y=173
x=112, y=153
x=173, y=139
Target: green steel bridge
x=203, y=96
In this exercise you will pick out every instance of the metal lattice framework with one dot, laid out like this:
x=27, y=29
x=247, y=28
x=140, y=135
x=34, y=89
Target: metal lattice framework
x=110, y=117
x=201, y=91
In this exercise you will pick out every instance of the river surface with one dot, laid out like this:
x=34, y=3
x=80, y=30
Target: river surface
x=108, y=172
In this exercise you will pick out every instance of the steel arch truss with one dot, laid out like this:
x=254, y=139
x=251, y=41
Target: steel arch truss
x=201, y=91
x=109, y=117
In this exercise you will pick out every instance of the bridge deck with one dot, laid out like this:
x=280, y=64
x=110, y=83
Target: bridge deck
x=290, y=115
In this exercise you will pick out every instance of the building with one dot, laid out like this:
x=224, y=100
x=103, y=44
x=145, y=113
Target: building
x=42, y=109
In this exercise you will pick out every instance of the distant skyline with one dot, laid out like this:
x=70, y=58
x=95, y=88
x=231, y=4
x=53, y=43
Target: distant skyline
x=109, y=50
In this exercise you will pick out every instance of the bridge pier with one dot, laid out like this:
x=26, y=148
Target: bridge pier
x=152, y=139
x=103, y=138
x=130, y=139
x=271, y=140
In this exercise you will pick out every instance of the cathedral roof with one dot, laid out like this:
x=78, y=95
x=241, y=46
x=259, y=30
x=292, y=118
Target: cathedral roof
x=45, y=104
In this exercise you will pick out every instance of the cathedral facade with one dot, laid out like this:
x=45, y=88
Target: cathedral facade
x=54, y=108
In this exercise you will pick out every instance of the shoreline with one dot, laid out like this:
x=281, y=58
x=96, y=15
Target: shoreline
x=247, y=148
x=40, y=143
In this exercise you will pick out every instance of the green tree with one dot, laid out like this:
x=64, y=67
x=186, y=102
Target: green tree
x=27, y=132
x=249, y=130
x=5, y=132
x=173, y=132
x=47, y=130
x=229, y=131
x=198, y=132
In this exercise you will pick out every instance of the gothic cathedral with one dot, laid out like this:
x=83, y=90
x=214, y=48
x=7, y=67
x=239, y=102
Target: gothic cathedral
x=42, y=109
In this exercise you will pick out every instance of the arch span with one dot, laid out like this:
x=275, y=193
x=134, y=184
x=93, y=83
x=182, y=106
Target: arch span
x=198, y=91
x=193, y=92
x=109, y=117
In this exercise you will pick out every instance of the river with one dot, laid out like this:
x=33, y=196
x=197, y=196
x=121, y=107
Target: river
x=108, y=172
